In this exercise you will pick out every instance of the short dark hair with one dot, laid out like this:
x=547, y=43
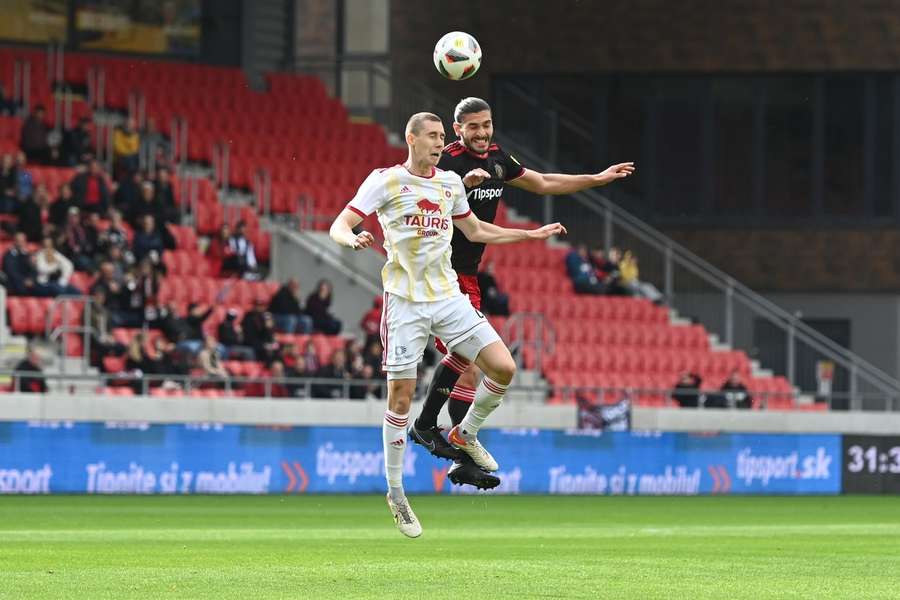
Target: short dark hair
x=469, y=106
x=414, y=125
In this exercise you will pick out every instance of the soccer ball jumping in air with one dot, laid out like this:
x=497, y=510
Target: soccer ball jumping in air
x=457, y=55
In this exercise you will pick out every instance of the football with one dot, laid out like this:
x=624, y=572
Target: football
x=457, y=55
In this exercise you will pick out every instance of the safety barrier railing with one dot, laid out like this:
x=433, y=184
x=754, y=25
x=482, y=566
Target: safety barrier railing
x=529, y=330
x=21, y=92
x=66, y=307
x=221, y=159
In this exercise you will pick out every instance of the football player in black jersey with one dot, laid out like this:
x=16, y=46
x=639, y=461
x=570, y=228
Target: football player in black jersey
x=485, y=169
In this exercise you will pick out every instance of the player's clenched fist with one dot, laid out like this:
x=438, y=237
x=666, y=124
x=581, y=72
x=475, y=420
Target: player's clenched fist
x=475, y=177
x=548, y=231
x=364, y=239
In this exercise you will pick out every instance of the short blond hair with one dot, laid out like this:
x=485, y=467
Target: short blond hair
x=414, y=125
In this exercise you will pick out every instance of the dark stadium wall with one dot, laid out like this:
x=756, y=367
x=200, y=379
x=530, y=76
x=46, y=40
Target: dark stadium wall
x=571, y=36
x=802, y=260
x=221, y=43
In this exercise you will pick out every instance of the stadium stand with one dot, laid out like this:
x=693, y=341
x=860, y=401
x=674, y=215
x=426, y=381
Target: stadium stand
x=306, y=142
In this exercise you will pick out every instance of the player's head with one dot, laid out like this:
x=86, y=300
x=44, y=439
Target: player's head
x=473, y=125
x=425, y=137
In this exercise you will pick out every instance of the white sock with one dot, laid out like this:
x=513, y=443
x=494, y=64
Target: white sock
x=488, y=397
x=393, y=433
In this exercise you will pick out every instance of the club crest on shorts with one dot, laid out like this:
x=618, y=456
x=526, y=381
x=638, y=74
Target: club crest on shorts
x=400, y=351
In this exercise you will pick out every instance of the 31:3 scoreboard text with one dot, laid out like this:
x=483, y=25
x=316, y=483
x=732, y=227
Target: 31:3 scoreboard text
x=871, y=464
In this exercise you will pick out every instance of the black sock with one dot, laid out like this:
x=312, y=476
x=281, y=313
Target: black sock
x=438, y=390
x=458, y=409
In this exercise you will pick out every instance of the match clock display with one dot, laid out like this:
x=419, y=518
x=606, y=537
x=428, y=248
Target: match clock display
x=871, y=464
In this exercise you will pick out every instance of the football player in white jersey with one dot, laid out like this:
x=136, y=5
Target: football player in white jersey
x=417, y=206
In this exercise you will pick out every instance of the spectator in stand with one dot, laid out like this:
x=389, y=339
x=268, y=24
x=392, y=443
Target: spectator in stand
x=90, y=190
x=54, y=270
x=241, y=256
x=164, y=361
x=210, y=360
x=231, y=336
x=630, y=279
x=120, y=261
x=30, y=376
x=607, y=269
x=77, y=144
x=317, y=305
x=136, y=362
x=371, y=321
x=18, y=266
x=687, y=390
x=165, y=196
x=102, y=343
x=148, y=242
x=219, y=252
x=276, y=387
x=143, y=286
x=126, y=146
x=128, y=193
x=285, y=308
x=25, y=182
x=259, y=331
x=189, y=335
x=581, y=272
x=373, y=356
x=147, y=204
x=79, y=244
x=253, y=322
x=493, y=301
x=9, y=183
x=8, y=107
x=111, y=283
x=59, y=210
x=116, y=235
x=33, y=213
x=336, y=369
x=311, y=357
x=34, y=139
x=353, y=349
x=154, y=145
x=267, y=347
x=733, y=394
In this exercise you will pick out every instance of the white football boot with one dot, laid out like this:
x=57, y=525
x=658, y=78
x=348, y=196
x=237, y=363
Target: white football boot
x=404, y=517
x=474, y=449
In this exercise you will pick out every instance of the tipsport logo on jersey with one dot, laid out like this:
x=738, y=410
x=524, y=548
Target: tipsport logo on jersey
x=97, y=458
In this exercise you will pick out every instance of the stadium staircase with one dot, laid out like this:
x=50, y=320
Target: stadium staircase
x=297, y=153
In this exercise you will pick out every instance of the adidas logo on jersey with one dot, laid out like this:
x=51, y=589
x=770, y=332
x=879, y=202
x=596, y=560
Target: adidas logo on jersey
x=405, y=190
x=398, y=443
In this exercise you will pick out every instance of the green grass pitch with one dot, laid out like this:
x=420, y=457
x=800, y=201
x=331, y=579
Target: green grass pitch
x=473, y=547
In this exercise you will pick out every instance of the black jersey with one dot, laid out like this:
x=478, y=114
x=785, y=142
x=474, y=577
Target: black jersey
x=483, y=200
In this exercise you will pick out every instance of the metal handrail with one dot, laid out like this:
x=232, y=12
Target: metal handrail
x=63, y=302
x=607, y=209
x=513, y=333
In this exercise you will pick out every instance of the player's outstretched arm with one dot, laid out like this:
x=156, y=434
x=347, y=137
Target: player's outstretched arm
x=342, y=231
x=559, y=183
x=477, y=230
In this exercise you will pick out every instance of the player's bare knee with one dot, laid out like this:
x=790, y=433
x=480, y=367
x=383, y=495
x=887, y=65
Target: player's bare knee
x=400, y=395
x=502, y=370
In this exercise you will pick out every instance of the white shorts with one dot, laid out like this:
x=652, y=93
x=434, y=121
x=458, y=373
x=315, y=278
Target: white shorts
x=406, y=325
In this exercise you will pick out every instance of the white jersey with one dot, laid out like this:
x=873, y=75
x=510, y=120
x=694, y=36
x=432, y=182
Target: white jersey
x=416, y=215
